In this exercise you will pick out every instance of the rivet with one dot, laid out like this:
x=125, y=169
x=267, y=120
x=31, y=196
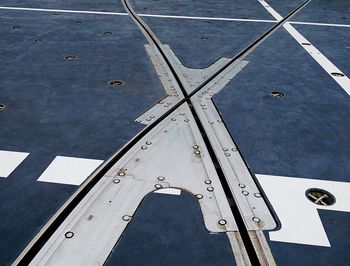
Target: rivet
x=2, y=106
x=69, y=234
x=227, y=154
x=256, y=219
x=148, y=142
x=186, y=120
x=210, y=189
x=116, y=181
x=143, y=147
x=241, y=185
x=224, y=149
x=197, y=152
x=196, y=147
x=257, y=195
x=208, y=182
x=152, y=116
x=199, y=196
x=158, y=186
x=182, y=114
x=121, y=174
x=126, y=218
x=245, y=193
x=222, y=222
x=173, y=119
x=161, y=178
x=234, y=149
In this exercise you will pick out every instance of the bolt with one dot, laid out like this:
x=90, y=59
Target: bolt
x=126, y=218
x=69, y=234
x=158, y=186
x=222, y=222
x=256, y=219
x=199, y=196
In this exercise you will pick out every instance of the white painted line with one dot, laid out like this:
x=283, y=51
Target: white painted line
x=9, y=161
x=173, y=16
x=62, y=11
x=69, y=170
x=299, y=217
x=207, y=18
x=319, y=24
x=170, y=191
x=323, y=61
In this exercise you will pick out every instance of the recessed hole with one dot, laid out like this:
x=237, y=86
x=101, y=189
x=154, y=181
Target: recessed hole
x=320, y=196
x=2, y=106
x=204, y=38
x=116, y=83
x=305, y=43
x=16, y=27
x=38, y=40
x=277, y=94
x=107, y=33
x=78, y=22
x=337, y=74
x=70, y=57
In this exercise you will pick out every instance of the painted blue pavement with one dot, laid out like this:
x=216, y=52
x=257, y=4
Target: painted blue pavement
x=169, y=230
x=335, y=11
x=64, y=107
x=86, y=5
x=333, y=42
x=199, y=43
x=247, y=9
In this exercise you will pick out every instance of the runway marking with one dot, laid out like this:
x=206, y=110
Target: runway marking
x=62, y=11
x=299, y=217
x=166, y=16
x=69, y=170
x=322, y=60
x=9, y=161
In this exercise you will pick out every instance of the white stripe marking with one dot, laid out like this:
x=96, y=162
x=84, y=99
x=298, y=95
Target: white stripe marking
x=323, y=61
x=69, y=170
x=207, y=18
x=62, y=11
x=170, y=191
x=167, y=16
x=320, y=24
x=9, y=161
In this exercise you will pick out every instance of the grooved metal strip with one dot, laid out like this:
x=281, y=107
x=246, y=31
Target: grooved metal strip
x=184, y=163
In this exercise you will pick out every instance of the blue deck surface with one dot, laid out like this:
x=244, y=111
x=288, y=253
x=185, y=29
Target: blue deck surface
x=284, y=7
x=333, y=42
x=251, y=9
x=84, y=5
x=199, y=43
x=64, y=107
x=302, y=134
x=335, y=11
x=169, y=230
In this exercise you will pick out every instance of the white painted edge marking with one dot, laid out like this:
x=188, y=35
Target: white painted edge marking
x=62, y=11
x=323, y=61
x=320, y=24
x=10, y=160
x=170, y=191
x=168, y=16
x=69, y=170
